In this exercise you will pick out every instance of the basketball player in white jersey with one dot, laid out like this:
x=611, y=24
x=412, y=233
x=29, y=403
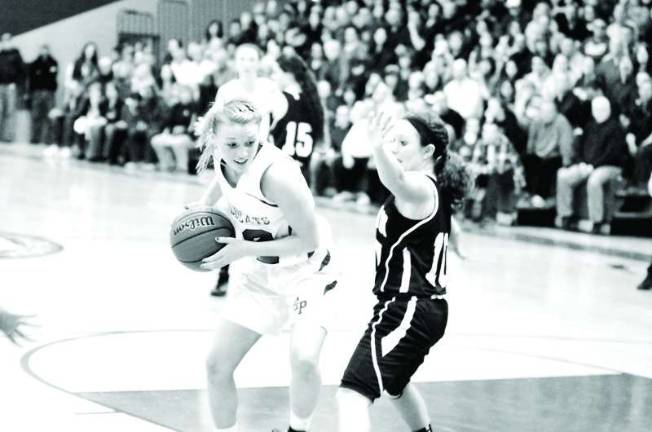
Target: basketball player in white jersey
x=261, y=91
x=284, y=268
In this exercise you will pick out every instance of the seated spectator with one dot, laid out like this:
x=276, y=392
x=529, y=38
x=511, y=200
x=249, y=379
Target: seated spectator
x=114, y=135
x=639, y=135
x=90, y=124
x=449, y=116
x=62, y=121
x=143, y=123
x=599, y=160
x=173, y=144
x=549, y=146
x=500, y=175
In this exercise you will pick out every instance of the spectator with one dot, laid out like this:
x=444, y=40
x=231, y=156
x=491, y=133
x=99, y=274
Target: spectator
x=596, y=47
x=214, y=30
x=600, y=158
x=42, y=85
x=11, y=76
x=497, y=161
x=464, y=94
x=646, y=284
x=449, y=116
x=62, y=121
x=114, y=131
x=143, y=123
x=90, y=124
x=639, y=137
x=173, y=144
x=549, y=147
x=85, y=69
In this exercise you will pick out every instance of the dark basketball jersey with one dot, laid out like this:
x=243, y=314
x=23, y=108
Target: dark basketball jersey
x=411, y=254
x=294, y=132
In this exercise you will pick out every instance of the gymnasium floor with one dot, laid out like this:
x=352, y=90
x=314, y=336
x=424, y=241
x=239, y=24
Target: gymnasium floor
x=547, y=331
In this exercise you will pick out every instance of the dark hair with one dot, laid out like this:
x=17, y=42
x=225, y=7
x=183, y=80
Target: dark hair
x=305, y=79
x=452, y=175
x=220, y=29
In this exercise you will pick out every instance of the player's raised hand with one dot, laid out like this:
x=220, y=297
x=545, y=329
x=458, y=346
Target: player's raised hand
x=380, y=124
x=12, y=326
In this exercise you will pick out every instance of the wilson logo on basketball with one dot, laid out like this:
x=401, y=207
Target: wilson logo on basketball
x=192, y=224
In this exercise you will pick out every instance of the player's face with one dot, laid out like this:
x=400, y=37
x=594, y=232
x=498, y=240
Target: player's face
x=237, y=144
x=406, y=146
x=246, y=60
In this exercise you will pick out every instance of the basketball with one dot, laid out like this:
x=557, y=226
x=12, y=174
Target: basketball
x=193, y=233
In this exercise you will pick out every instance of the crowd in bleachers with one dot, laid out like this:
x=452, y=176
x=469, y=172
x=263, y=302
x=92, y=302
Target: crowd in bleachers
x=541, y=97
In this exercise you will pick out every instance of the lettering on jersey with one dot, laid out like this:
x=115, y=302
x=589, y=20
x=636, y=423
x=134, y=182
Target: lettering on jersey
x=300, y=305
x=381, y=222
x=192, y=224
x=249, y=219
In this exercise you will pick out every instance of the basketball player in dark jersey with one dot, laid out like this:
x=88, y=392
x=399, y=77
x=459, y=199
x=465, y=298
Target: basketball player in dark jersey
x=301, y=130
x=412, y=237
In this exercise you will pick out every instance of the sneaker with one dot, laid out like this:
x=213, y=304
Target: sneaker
x=537, y=201
x=65, y=152
x=646, y=285
x=51, y=150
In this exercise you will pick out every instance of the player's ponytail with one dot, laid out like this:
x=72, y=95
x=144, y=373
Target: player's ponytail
x=450, y=170
x=238, y=111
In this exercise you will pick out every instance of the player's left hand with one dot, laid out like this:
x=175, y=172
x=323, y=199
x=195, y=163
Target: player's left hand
x=233, y=250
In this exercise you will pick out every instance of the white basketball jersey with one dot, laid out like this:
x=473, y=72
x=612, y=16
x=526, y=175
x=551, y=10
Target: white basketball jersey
x=254, y=216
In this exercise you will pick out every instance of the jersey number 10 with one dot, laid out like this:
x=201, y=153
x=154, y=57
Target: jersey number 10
x=298, y=139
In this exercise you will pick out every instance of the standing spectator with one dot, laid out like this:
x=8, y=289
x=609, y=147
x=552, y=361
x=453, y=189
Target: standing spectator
x=42, y=85
x=549, y=146
x=85, y=69
x=601, y=154
x=11, y=75
x=464, y=94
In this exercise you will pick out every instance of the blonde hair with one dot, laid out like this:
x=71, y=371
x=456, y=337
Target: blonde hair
x=238, y=111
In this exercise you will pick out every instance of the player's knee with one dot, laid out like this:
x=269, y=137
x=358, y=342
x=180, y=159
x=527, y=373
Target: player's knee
x=218, y=368
x=303, y=363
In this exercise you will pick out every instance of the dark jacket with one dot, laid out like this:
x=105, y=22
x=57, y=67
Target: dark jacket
x=42, y=74
x=603, y=144
x=12, y=68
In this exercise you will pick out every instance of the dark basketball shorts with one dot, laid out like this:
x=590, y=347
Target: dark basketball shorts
x=397, y=339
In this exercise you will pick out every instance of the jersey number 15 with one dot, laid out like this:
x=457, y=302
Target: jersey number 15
x=298, y=139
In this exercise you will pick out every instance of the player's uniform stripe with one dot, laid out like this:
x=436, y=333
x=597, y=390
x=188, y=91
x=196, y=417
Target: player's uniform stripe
x=374, y=355
x=389, y=342
x=407, y=271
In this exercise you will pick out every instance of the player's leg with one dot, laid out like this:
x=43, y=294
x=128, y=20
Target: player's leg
x=306, y=341
x=353, y=411
x=230, y=344
x=412, y=408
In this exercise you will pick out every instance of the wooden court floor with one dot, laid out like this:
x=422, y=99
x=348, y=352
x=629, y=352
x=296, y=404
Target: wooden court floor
x=546, y=333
